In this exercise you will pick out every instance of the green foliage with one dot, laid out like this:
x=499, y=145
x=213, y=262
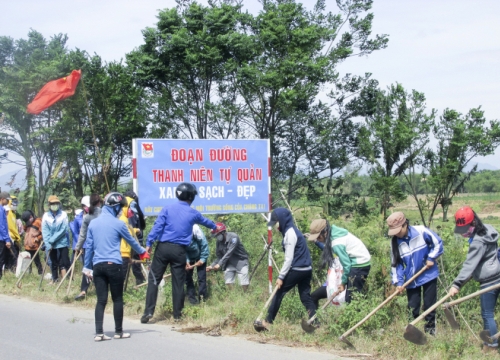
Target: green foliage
x=460, y=139
x=484, y=181
x=397, y=134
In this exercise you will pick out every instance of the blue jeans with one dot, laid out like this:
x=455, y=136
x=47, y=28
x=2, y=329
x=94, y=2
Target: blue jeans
x=488, y=303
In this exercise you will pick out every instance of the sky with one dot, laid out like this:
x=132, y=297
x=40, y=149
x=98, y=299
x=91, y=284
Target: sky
x=447, y=49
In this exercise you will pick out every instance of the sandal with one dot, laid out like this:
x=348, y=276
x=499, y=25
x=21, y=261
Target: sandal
x=101, y=337
x=80, y=296
x=122, y=336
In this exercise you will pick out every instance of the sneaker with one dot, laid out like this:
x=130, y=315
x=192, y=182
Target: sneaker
x=145, y=318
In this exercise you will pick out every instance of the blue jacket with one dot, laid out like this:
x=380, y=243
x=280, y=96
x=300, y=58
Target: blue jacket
x=420, y=245
x=4, y=228
x=75, y=227
x=55, y=230
x=198, y=249
x=103, y=239
x=175, y=224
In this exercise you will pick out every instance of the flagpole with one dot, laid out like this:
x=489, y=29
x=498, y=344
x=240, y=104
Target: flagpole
x=93, y=135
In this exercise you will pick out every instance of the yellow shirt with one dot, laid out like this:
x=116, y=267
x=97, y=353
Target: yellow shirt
x=12, y=224
x=125, y=248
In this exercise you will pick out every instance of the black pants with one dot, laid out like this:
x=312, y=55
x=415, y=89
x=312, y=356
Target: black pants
x=108, y=277
x=3, y=256
x=430, y=297
x=303, y=280
x=136, y=270
x=318, y=294
x=356, y=281
x=201, y=271
x=167, y=253
x=60, y=261
x=11, y=262
x=37, y=261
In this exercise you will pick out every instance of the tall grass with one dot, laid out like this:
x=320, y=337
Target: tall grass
x=381, y=336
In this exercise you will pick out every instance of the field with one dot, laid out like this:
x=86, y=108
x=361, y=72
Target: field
x=231, y=312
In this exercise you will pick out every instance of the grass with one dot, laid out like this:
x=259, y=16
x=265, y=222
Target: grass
x=233, y=312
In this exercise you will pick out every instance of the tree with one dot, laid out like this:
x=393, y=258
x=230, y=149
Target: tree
x=188, y=63
x=25, y=66
x=108, y=108
x=460, y=139
x=294, y=54
x=397, y=132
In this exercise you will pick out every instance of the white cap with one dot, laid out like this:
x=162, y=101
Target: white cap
x=85, y=201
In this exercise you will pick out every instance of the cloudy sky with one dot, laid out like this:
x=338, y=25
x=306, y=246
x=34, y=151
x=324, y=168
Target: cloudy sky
x=448, y=49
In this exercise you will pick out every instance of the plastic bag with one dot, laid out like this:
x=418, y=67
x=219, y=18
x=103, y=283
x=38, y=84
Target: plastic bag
x=23, y=261
x=333, y=280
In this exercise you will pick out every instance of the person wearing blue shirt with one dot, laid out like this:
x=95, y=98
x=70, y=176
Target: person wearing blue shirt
x=196, y=257
x=103, y=256
x=5, y=242
x=412, y=248
x=173, y=229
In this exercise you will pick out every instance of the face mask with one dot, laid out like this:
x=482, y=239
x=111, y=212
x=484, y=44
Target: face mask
x=130, y=213
x=469, y=232
x=14, y=207
x=54, y=207
x=219, y=237
x=85, y=209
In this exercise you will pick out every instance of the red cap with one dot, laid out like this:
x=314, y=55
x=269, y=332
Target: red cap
x=463, y=219
x=219, y=227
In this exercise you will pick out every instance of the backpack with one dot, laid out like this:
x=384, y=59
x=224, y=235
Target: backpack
x=32, y=237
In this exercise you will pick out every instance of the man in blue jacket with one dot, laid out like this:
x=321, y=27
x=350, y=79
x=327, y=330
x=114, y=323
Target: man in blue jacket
x=5, y=242
x=196, y=257
x=173, y=229
x=412, y=248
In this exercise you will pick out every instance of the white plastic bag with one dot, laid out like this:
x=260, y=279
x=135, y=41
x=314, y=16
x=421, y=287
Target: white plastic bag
x=333, y=280
x=23, y=261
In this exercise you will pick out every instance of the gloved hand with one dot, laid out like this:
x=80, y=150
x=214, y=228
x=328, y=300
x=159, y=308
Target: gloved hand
x=88, y=272
x=144, y=256
x=43, y=247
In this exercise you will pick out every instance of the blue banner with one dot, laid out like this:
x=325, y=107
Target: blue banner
x=232, y=176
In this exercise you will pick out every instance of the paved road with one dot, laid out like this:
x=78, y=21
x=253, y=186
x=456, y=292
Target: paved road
x=31, y=330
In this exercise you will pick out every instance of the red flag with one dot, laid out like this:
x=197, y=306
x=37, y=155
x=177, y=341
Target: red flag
x=54, y=91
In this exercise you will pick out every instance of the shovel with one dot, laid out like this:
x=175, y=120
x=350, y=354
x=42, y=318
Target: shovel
x=257, y=324
x=145, y=283
x=44, y=269
x=449, y=316
x=414, y=335
x=18, y=283
x=67, y=273
x=344, y=336
x=307, y=324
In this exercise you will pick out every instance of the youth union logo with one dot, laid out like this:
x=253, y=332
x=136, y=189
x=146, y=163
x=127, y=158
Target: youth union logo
x=147, y=150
